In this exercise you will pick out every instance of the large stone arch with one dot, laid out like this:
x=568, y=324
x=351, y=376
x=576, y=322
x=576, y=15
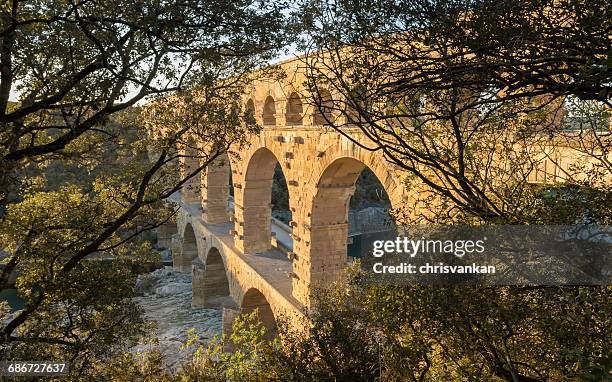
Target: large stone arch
x=321, y=251
x=181, y=260
x=253, y=212
x=210, y=280
x=389, y=175
x=269, y=113
x=249, y=107
x=323, y=107
x=294, y=109
x=253, y=300
x=214, y=190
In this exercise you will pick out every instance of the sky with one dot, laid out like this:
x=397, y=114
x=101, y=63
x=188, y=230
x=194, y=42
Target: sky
x=290, y=53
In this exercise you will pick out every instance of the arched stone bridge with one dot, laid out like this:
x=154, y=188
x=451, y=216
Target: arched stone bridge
x=239, y=256
x=241, y=251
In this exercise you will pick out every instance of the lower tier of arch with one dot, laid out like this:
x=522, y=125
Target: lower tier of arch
x=267, y=273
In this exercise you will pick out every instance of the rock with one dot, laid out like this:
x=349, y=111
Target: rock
x=166, y=256
x=284, y=216
x=370, y=219
x=144, y=285
x=173, y=288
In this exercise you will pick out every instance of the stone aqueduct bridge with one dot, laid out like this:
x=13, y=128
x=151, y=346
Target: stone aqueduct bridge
x=239, y=257
x=238, y=250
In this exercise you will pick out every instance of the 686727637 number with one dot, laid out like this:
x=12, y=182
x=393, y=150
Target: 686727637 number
x=33, y=368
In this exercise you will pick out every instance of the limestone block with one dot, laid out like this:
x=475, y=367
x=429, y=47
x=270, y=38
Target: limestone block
x=177, y=251
x=229, y=314
x=197, y=283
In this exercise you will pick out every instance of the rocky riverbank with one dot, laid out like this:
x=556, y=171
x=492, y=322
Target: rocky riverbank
x=165, y=296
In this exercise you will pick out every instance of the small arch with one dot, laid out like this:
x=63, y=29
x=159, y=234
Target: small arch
x=190, y=243
x=216, y=284
x=254, y=300
x=189, y=251
x=249, y=111
x=295, y=109
x=269, y=112
x=351, y=114
x=323, y=107
x=250, y=106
